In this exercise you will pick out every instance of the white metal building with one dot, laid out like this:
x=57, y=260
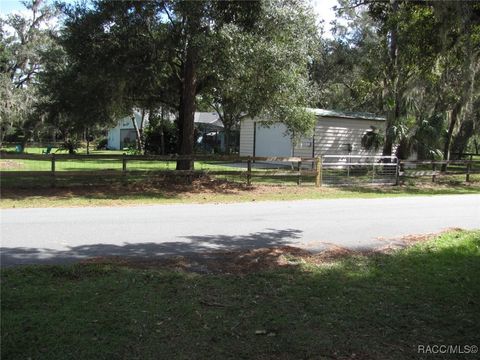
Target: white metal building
x=336, y=133
x=123, y=134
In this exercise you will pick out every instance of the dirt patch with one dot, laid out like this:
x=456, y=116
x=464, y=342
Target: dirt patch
x=10, y=164
x=249, y=261
x=199, y=189
x=229, y=262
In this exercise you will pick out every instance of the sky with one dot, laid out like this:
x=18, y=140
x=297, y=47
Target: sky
x=323, y=9
x=9, y=6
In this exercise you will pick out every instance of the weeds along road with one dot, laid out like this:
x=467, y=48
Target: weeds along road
x=59, y=235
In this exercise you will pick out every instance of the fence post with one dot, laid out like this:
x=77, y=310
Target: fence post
x=397, y=173
x=124, y=164
x=373, y=171
x=299, y=170
x=469, y=165
x=124, y=169
x=348, y=166
x=434, y=169
x=249, y=171
x=318, y=170
x=321, y=170
x=53, y=170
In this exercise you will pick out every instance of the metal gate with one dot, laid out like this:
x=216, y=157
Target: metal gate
x=359, y=170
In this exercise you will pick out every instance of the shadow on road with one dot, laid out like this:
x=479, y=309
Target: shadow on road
x=196, y=244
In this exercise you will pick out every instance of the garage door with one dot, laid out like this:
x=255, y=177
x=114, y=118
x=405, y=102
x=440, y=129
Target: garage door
x=272, y=141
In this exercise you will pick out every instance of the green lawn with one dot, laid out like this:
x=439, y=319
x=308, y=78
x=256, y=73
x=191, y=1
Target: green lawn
x=96, y=164
x=105, y=164
x=111, y=192
x=136, y=189
x=38, y=150
x=373, y=306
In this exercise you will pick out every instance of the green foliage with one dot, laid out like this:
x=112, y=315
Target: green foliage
x=415, y=61
x=161, y=137
x=372, y=139
x=251, y=60
x=265, y=73
x=102, y=144
x=23, y=41
x=71, y=145
x=348, y=69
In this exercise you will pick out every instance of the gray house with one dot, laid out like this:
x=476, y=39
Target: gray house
x=208, y=125
x=336, y=133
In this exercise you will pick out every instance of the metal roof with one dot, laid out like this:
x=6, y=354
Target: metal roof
x=210, y=119
x=347, y=114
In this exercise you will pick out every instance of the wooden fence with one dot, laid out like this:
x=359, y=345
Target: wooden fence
x=434, y=169
x=295, y=170
x=316, y=169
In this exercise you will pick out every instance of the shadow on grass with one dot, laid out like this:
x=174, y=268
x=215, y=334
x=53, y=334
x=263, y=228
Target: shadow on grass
x=361, y=307
x=114, y=189
x=191, y=246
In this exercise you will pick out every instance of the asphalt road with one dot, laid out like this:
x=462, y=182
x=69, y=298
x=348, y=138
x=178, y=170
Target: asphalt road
x=61, y=235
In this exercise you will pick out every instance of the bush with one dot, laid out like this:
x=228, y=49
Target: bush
x=372, y=139
x=70, y=145
x=102, y=144
x=153, y=138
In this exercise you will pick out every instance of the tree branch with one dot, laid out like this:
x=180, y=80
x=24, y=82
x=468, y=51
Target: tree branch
x=361, y=3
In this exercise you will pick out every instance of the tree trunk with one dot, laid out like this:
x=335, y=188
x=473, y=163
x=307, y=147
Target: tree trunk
x=179, y=126
x=464, y=101
x=139, y=131
x=27, y=135
x=143, y=149
x=394, y=108
x=451, y=126
x=87, y=137
x=162, y=133
x=227, y=131
x=189, y=91
x=162, y=139
x=3, y=131
x=459, y=144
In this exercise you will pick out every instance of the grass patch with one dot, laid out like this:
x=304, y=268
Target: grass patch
x=111, y=192
x=377, y=306
x=40, y=150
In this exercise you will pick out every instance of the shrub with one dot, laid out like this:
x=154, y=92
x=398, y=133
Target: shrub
x=102, y=144
x=70, y=145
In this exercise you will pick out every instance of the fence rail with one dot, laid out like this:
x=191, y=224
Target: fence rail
x=323, y=170
x=434, y=169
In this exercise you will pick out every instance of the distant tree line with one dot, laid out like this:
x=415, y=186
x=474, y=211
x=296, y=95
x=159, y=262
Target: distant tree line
x=74, y=70
x=417, y=62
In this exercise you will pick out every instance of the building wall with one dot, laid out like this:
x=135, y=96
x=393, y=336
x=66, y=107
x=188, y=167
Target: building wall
x=114, y=138
x=331, y=137
x=334, y=135
x=246, y=137
x=273, y=141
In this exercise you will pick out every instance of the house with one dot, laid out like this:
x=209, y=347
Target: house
x=209, y=129
x=336, y=133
